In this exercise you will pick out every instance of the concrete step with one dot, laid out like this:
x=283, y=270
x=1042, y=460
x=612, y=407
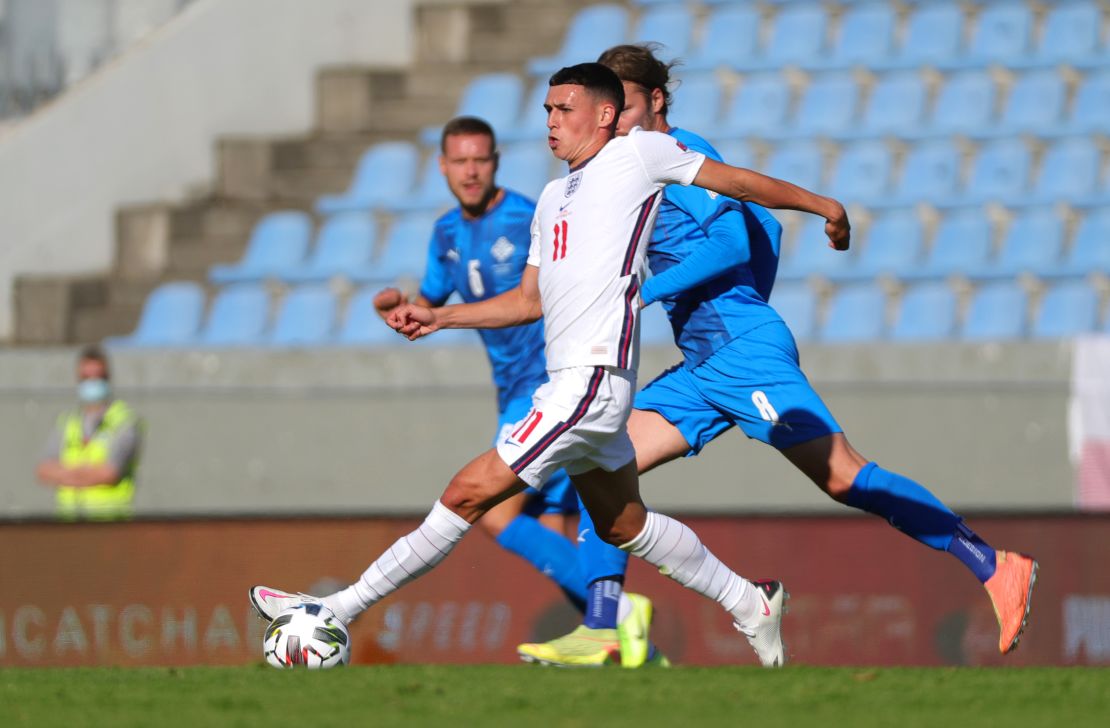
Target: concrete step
x=95, y=324
x=218, y=218
x=191, y=259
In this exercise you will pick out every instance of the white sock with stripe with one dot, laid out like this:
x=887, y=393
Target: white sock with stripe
x=409, y=557
x=678, y=553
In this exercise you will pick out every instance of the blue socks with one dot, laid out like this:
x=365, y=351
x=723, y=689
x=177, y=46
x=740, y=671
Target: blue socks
x=916, y=512
x=603, y=566
x=552, y=554
x=974, y=552
x=603, y=603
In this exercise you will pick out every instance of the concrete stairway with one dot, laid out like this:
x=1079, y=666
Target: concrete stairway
x=355, y=108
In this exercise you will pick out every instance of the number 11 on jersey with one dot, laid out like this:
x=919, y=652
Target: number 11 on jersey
x=560, y=240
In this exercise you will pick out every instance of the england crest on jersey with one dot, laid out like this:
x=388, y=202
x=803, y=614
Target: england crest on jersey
x=573, y=183
x=502, y=250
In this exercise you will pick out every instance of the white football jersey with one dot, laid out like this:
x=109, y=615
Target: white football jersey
x=589, y=239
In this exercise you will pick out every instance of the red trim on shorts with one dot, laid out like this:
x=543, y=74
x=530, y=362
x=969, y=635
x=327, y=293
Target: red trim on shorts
x=579, y=412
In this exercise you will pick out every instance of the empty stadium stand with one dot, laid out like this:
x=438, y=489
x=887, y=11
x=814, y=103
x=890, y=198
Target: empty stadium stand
x=967, y=138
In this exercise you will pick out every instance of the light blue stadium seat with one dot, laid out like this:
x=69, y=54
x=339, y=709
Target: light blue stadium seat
x=896, y=104
x=277, y=245
x=361, y=325
x=1069, y=170
x=385, y=174
x=797, y=35
x=1068, y=308
x=171, y=316
x=697, y=103
x=1070, y=32
x=531, y=125
x=1091, y=107
x=344, y=247
x=525, y=168
x=965, y=103
x=933, y=33
x=962, y=243
x=731, y=38
x=406, y=249
x=1000, y=172
x=855, y=313
x=865, y=35
x=930, y=173
x=828, y=105
x=238, y=317
x=590, y=32
x=797, y=304
x=306, y=318
x=862, y=172
x=997, y=311
x=1090, y=249
x=655, y=327
x=927, y=312
x=672, y=25
x=1002, y=32
x=1034, y=243
x=799, y=162
x=431, y=189
x=895, y=245
x=759, y=106
x=737, y=152
x=1036, y=102
x=811, y=254
x=494, y=97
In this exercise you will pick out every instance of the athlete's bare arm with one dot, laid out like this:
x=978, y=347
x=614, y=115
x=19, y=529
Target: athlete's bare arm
x=748, y=186
x=387, y=299
x=520, y=305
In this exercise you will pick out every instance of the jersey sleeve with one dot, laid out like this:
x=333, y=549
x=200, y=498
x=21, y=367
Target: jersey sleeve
x=534, y=246
x=124, y=447
x=726, y=245
x=665, y=159
x=436, y=286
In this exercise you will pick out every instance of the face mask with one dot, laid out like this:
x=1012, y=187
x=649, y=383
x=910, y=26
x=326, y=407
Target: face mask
x=92, y=391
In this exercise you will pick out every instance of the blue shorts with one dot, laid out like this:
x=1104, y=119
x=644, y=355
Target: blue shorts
x=558, y=494
x=753, y=382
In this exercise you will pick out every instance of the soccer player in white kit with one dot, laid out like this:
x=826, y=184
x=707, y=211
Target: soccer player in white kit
x=587, y=260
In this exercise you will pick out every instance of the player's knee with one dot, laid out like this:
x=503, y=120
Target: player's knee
x=618, y=532
x=465, y=497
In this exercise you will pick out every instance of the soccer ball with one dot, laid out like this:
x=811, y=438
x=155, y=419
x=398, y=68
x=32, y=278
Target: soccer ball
x=308, y=636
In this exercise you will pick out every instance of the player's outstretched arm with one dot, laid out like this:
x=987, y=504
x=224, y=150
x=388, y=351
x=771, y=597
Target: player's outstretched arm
x=388, y=299
x=748, y=186
x=521, y=305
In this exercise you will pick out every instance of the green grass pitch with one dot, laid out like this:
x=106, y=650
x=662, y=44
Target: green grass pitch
x=535, y=697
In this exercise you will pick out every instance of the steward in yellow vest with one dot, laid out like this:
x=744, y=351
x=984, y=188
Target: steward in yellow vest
x=92, y=453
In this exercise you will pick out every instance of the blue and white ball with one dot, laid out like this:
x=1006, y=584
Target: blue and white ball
x=307, y=636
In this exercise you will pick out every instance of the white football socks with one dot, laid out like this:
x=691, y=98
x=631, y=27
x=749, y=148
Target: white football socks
x=678, y=553
x=409, y=557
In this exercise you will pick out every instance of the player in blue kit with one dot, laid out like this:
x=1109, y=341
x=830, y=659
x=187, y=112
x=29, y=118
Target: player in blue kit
x=479, y=249
x=714, y=262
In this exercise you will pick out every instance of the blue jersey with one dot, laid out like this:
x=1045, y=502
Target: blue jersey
x=713, y=261
x=480, y=259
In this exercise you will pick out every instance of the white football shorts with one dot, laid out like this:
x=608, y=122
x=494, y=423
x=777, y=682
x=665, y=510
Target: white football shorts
x=577, y=422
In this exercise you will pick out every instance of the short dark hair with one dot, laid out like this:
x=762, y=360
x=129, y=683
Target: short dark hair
x=599, y=80
x=461, y=125
x=638, y=64
x=93, y=352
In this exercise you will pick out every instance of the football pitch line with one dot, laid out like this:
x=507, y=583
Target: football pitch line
x=495, y=695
